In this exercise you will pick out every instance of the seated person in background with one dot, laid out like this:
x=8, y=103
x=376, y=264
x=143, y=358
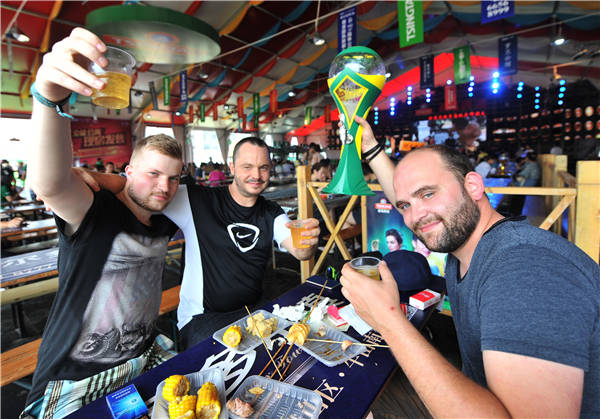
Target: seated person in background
x=100, y=330
x=110, y=168
x=393, y=239
x=13, y=223
x=288, y=168
x=200, y=173
x=320, y=172
x=486, y=166
x=530, y=172
x=216, y=176
x=526, y=351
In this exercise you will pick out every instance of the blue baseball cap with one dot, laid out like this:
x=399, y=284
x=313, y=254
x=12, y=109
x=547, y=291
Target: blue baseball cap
x=411, y=272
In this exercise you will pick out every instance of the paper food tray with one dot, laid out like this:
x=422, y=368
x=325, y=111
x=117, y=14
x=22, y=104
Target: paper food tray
x=214, y=375
x=279, y=400
x=250, y=342
x=330, y=354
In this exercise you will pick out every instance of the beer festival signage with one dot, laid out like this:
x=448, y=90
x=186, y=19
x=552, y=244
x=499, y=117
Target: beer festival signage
x=410, y=22
x=462, y=64
x=108, y=139
x=427, y=80
x=347, y=29
x=496, y=9
x=507, y=55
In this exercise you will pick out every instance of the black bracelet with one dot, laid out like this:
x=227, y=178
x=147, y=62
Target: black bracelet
x=370, y=151
x=372, y=156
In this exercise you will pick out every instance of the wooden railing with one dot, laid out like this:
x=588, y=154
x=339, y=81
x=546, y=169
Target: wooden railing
x=581, y=198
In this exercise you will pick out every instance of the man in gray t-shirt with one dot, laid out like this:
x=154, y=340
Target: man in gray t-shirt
x=526, y=302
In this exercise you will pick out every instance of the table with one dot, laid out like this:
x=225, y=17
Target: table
x=24, y=210
x=348, y=390
x=28, y=267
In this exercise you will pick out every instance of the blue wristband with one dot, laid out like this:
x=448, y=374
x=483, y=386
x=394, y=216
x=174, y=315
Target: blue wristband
x=57, y=105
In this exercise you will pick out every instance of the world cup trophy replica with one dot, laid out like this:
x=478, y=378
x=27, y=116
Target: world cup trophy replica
x=356, y=78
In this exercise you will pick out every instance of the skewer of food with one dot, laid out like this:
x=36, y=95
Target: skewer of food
x=347, y=343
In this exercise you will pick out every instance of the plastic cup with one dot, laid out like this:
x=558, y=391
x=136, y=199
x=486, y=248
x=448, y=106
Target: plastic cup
x=117, y=75
x=297, y=226
x=366, y=265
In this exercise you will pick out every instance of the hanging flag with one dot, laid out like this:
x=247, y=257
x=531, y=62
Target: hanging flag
x=273, y=101
x=507, y=55
x=308, y=115
x=450, y=97
x=347, y=29
x=427, y=72
x=496, y=9
x=202, y=112
x=256, y=108
x=243, y=122
x=191, y=113
x=183, y=86
x=327, y=116
x=240, y=106
x=410, y=22
x=166, y=90
x=215, y=112
x=153, y=95
x=462, y=64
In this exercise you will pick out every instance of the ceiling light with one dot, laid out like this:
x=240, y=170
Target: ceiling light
x=203, y=75
x=388, y=75
x=291, y=93
x=558, y=40
x=177, y=113
x=16, y=34
x=317, y=39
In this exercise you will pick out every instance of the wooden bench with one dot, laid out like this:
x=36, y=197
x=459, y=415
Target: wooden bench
x=20, y=362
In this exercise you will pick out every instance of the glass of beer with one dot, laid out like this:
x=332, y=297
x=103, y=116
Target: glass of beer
x=117, y=76
x=297, y=226
x=366, y=265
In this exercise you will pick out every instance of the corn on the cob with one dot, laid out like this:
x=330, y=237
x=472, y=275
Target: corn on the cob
x=182, y=406
x=175, y=386
x=232, y=336
x=208, y=405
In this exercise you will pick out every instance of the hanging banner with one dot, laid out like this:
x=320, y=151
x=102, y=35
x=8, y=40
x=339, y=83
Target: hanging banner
x=410, y=22
x=507, y=55
x=153, y=95
x=427, y=72
x=202, y=112
x=308, y=115
x=215, y=112
x=347, y=29
x=496, y=9
x=327, y=116
x=462, y=64
x=240, y=106
x=450, y=97
x=183, y=86
x=273, y=101
x=256, y=107
x=166, y=90
x=243, y=122
x=191, y=113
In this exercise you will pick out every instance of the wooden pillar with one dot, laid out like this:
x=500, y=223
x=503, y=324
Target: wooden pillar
x=305, y=210
x=587, y=220
x=551, y=164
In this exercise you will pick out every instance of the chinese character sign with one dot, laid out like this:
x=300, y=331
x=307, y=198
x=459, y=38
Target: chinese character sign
x=462, y=64
x=507, y=55
x=183, y=86
x=426, y=72
x=347, y=29
x=496, y=9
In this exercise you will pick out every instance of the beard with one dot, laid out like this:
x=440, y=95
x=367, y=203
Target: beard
x=458, y=226
x=145, y=202
x=243, y=190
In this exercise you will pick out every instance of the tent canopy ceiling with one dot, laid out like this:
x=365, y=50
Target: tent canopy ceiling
x=266, y=45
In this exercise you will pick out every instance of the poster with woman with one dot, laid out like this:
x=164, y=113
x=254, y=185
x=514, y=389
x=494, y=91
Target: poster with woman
x=387, y=232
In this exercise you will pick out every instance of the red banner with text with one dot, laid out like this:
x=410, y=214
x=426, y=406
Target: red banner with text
x=107, y=139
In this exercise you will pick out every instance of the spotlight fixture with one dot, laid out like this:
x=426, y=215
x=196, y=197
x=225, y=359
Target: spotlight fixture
x=16, y=34
x=177, y=113
x=317, y=39
x=291, y=93
x=558, y=39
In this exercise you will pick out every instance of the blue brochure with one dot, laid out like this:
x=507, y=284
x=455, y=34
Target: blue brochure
x=126, y=403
